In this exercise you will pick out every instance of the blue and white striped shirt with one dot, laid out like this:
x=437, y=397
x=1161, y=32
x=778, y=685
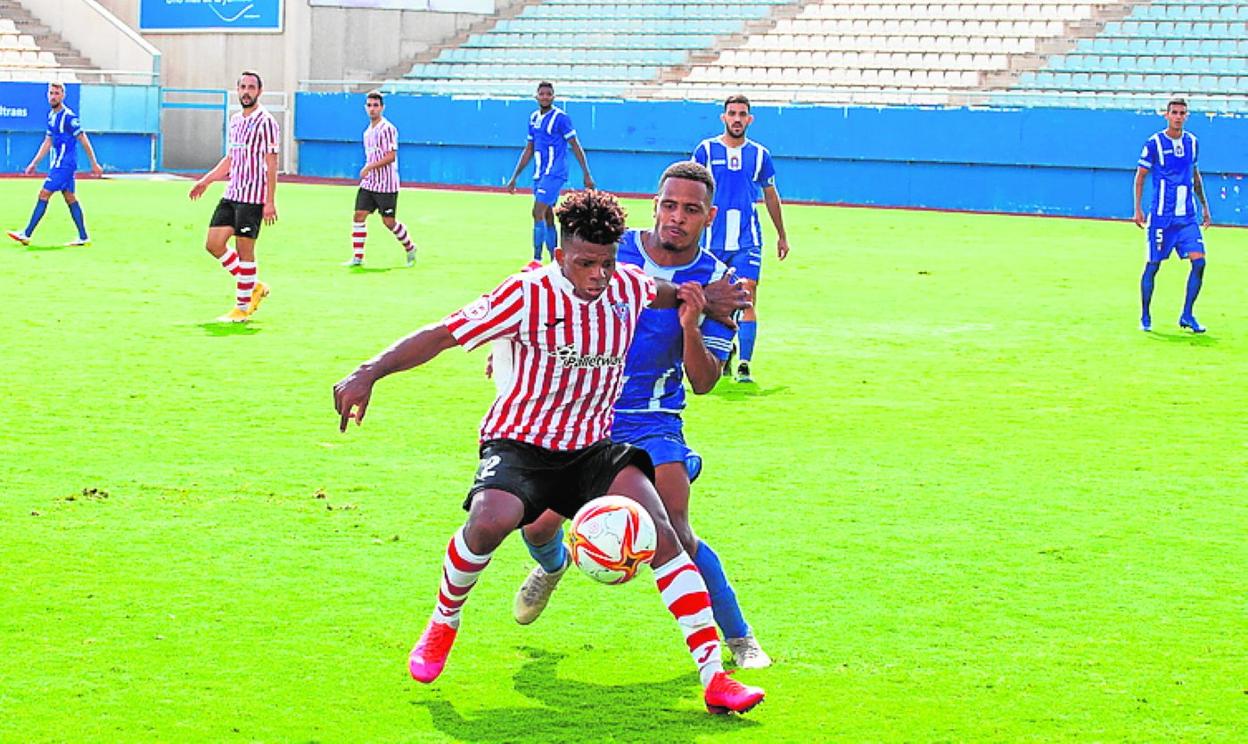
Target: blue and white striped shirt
x=63, y=128
x=549, y=133
x=1173, y=165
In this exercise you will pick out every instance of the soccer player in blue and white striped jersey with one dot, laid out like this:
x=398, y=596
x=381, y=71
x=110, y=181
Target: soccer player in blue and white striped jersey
x=64, y=132
x=669, y=347
x=550, y=135
x=741, y=167
x=1170, y=223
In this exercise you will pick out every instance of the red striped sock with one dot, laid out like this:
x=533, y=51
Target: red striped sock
x=460, y=570
x=229, y=261
x=684, y=593
x=245, y=282
x=400, y=234
x=359, y=232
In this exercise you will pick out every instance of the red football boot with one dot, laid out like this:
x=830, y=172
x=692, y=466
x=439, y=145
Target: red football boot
x=429, y=656
x=726, y=695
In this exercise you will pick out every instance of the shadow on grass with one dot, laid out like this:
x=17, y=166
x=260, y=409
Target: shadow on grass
x=584, y=711
x=42, y=248
x=731, y=390
x=229, y=329
x=372, y=270
x=1184, y=337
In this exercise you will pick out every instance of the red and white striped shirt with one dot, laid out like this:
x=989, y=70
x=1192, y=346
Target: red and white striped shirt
x=251, y=138
x=568, y=353
x=379, y=140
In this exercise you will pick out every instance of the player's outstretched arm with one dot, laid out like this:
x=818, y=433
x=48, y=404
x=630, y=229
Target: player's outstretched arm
x=351, y=393
x=43, y=150
x=525, y=157
x=219, y=171
x=1138, y=216
x=772, y=199
x=580, y=158
x=87, y=148
x=1198, y=185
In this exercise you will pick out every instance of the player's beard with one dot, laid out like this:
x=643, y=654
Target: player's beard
x=246, y=101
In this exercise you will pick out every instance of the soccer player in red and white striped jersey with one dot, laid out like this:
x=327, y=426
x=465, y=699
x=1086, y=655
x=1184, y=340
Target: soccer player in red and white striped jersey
x=250, y=196
x=379, y=181
x=544, y=440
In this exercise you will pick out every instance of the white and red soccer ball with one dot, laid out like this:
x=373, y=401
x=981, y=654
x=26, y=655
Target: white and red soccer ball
x=611, y=538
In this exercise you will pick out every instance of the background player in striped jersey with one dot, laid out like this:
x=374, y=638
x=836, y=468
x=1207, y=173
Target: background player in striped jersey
x=543, y=441
x=669, y=344
x=250, y=197
x=1170, y=155
x=379, y=181
x=741, y=168
x=64, y=132
x=549, y=136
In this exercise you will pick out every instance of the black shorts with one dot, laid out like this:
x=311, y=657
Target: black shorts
x=383, y=202
x=243, y=217
x=546, y=479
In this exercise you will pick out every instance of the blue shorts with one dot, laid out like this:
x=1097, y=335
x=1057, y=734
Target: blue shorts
x=662, y=437
x=1183, y=238
x=60, y=179
x=546, y=189
x=747, y=260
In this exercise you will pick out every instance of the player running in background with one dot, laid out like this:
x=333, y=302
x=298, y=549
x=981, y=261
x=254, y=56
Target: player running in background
x=250, y=197
x=550, y=134
x=669, y=345
x=379, y=181
x=63, y=134
x=543, y=441
x=1170, y=155
x=741, y=167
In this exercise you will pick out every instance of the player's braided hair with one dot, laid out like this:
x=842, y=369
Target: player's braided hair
x=593, y=216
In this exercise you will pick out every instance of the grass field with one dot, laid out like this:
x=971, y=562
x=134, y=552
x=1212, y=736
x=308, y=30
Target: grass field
x=967, y=500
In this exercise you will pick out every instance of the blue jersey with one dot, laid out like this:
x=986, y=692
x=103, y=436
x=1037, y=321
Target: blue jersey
x=63, y=128
x=1173, y=165
x=549, y=133
x=740, y=175
x=654, y=370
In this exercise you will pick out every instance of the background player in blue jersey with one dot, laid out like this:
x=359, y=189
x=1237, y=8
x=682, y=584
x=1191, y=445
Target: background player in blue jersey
x=741, y=168
x=550, y=135
x=669, y=345
x=64, y=132
x=1170, y=224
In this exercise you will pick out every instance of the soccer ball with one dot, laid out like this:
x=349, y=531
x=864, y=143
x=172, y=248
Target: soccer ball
x=611, y=537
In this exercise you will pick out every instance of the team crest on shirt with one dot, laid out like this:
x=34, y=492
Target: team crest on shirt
x=1178, y=149
x=478, y=309
x=734, y=162
x=621, y=310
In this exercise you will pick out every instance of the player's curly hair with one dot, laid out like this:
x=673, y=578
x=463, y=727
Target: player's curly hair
x=690, y=171
x=593, y=216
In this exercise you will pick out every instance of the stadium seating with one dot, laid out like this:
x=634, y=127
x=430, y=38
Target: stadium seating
x=962, y=52
x=21, y=59
x=1195, y=48
x=599, y=48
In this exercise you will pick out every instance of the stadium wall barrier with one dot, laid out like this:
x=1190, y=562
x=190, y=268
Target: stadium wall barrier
x=1065, y=162
x=123, y=122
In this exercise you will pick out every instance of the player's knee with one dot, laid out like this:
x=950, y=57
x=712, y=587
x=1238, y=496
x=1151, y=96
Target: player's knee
x=360, y=216
x=1198, y=260
x=543, y=529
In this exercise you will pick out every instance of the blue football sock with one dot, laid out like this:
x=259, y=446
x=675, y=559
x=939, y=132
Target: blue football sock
x=539, y=236
x=41, y=206
x=723, y=599
x=1194, y=280
x=747, y=332
x=550, y=556
x=1146, y=285
x=75, y=211
x=552, y=239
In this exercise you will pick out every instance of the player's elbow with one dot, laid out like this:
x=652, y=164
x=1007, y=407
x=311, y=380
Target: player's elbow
x=703, y=385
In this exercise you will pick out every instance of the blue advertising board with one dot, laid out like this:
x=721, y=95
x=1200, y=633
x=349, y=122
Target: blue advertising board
x=243, y=16
x=24, y=106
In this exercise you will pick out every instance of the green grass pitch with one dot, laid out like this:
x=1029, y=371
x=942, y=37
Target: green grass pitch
x=967, y=500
